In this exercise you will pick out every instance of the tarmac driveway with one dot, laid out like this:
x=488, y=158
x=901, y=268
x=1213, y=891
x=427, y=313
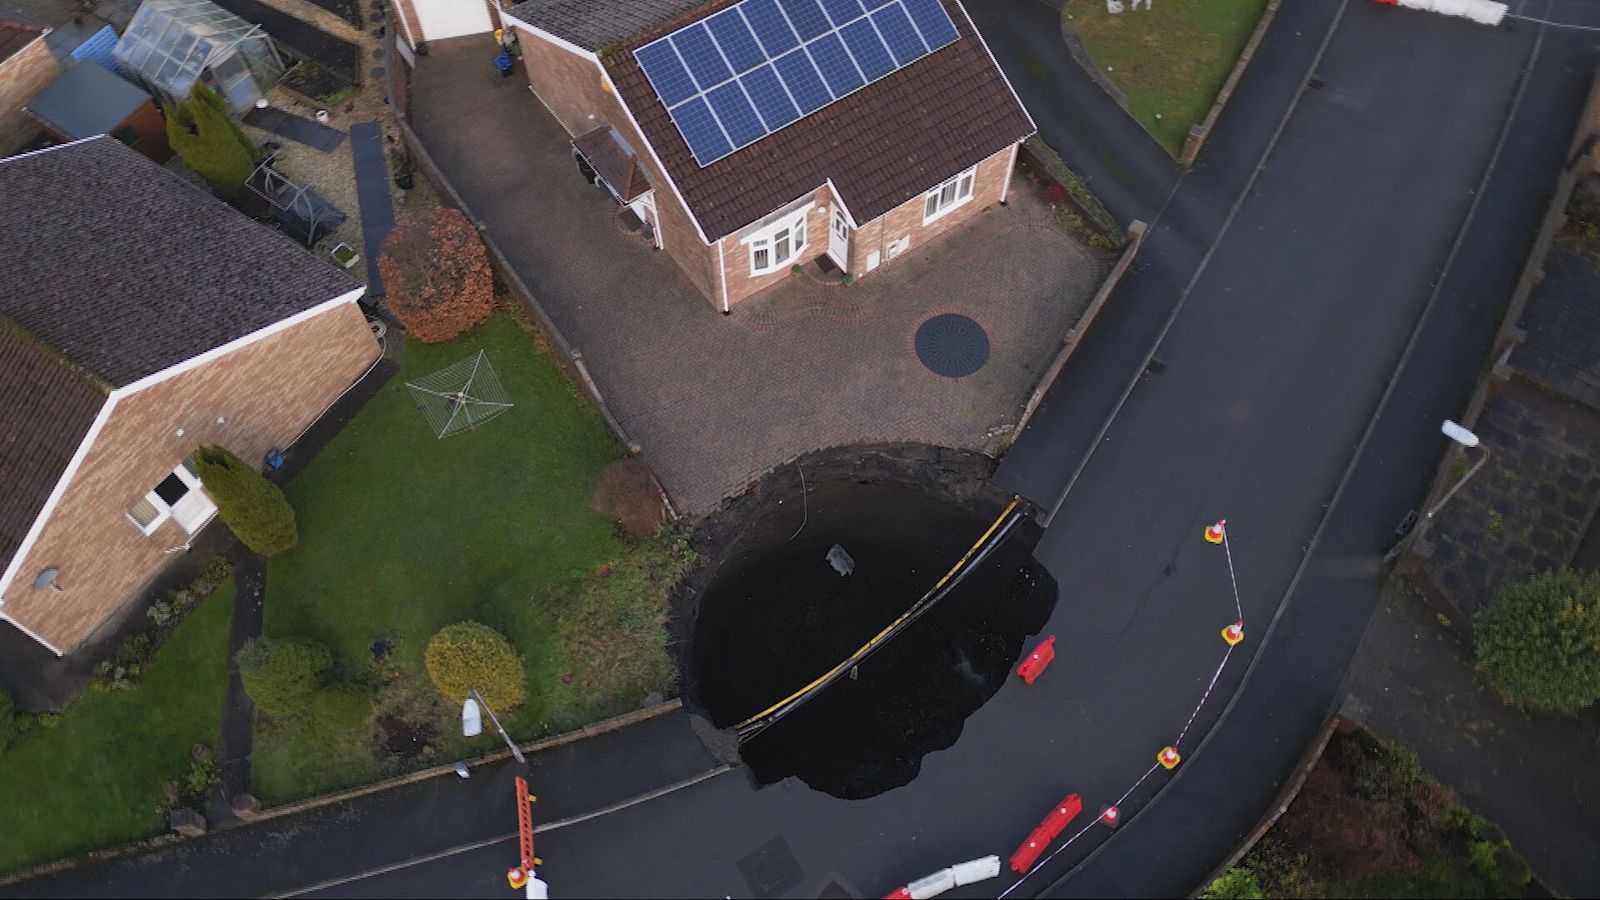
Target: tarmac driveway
x=717, y=400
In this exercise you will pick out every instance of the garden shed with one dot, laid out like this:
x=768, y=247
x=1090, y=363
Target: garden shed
x=171, y=44
x=88, y=100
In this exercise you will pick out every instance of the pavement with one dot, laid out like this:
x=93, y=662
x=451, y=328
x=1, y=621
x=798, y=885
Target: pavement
x=1274, y=358
x=718, y=400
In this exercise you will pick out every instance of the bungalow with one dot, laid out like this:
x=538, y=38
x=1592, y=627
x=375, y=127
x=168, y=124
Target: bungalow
x=150, y=319
x=753, y=136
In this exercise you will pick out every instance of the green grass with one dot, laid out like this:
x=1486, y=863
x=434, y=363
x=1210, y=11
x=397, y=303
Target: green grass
x=402, y=533
x=1170, y=59
x=97, y=778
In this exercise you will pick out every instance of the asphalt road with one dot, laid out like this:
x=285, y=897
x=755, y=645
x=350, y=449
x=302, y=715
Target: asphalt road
x=1273, y=365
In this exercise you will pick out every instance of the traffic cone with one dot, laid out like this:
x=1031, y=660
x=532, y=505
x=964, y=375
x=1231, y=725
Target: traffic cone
x=1111, y=816
x=1233, y=634
x=517, y=878
x=1217, y=531
x=1168, y=757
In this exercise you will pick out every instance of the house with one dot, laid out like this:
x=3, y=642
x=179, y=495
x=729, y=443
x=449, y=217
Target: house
x=88, y=100
x=155, y=319
x=753, y=136
x=26, y=66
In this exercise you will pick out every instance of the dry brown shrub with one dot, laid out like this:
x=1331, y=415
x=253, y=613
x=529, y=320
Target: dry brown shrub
x=436, y=274
x=626, y=492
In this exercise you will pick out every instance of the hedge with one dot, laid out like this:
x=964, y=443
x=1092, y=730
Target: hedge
x=283, y=675
x=1538, y=642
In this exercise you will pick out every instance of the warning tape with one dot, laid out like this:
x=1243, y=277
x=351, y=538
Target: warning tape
x=997, y=531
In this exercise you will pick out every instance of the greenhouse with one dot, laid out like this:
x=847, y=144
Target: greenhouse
x=171, y=44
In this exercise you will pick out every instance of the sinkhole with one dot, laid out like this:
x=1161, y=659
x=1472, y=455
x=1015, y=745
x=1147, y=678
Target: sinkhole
x=776, y=614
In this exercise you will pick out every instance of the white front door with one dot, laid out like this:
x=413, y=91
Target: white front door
x=442, y=19
x=839, y=240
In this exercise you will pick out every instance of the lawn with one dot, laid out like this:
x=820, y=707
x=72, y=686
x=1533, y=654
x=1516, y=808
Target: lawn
x=1171, y=58
x=402, y=533
x=98, y=777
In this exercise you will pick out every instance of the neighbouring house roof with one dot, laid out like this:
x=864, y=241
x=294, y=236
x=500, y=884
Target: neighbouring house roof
x=131, y=270
x=613, y=161
x=46, y=408
x=15, y=35
x=87, y=100
x=881, y=145
x=597, y=24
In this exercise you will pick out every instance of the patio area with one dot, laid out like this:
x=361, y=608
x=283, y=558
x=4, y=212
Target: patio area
x=717, y=400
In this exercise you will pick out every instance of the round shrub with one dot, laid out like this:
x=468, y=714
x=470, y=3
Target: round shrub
x=470, y=655
x=1235, y=884
x=254, y=508
x=340, y=707
x=1538, y=642
x=436, y=273
x=282, y=675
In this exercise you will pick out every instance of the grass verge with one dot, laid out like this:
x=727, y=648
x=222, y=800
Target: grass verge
x=402, y=533
x=1171, y=57
x=98, y=775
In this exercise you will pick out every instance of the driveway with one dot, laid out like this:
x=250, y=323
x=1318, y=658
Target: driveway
x=717, y=400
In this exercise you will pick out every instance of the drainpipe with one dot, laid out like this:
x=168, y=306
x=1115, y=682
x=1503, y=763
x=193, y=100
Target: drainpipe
x=722, y=276
x=1011, y=168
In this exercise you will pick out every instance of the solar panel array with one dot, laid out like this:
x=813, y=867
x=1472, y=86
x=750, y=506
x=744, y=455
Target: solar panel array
x=735, y=77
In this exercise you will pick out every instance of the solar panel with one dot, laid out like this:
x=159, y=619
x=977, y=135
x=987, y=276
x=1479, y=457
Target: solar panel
x=737, y=76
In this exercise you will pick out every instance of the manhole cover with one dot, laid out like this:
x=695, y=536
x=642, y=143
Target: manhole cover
x=952, y=345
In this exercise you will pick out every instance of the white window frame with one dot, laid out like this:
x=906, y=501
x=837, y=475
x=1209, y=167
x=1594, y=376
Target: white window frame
x=766, y=240
x=163, y=510
x=935, y=204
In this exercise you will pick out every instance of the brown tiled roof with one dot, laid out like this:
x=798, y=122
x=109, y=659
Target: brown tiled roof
x=881, y=145
x=131, y=270
x=613, y=161
x=46, y=408
x=14, y=36
x=595, y=24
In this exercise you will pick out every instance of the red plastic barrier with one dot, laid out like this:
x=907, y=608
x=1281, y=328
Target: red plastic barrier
x=899, y=894
x=1048, y=830
x=1038, y=659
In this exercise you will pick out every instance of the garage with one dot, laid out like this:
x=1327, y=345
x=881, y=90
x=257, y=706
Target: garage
x=440, y=19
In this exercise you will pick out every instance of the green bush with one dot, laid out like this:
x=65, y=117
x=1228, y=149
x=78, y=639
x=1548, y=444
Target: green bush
x=340, y=707
x=8, y=718
x=470, y=655
x=282, y=675
x=200, y=130
x=1235, y=884
x=254, y=508
x=1538, y=642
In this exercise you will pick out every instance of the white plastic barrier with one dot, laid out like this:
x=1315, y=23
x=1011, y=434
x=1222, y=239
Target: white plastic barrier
x=1485, y=12
x=931, y=886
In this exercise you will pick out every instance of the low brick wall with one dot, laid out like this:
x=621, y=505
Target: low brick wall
x=1136, y=233
x=1199, y=133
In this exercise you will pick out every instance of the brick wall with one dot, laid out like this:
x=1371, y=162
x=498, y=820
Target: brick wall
x=29, y=71
x=267, y=393
x=904, y=220
x=576, y=91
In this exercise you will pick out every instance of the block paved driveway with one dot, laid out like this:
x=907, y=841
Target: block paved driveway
x=716, y=400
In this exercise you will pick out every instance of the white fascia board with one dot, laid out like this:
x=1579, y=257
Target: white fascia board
x=214, y=353
x=566, y=45
x=1033, y=126
x=30, y=633
x=767, y=230
x=56, y=493
x=52, y=149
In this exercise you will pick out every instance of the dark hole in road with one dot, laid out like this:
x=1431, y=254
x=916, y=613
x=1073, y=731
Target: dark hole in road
x=776, y=615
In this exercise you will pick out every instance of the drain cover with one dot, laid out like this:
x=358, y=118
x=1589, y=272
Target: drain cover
x=952, y=345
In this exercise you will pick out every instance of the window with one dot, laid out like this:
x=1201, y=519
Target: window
x=160, y=502
x=948, y=196
x=777, y=245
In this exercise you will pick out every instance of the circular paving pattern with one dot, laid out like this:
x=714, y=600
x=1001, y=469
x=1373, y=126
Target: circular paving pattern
x=952, y=345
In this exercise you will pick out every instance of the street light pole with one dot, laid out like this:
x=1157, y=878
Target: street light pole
x=1466, y=439
x=472, y=723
